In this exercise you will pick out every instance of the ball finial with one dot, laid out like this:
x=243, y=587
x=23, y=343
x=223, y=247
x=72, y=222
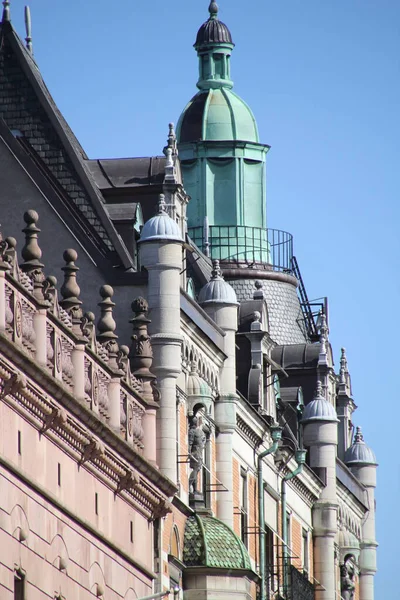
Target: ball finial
x=213, y=10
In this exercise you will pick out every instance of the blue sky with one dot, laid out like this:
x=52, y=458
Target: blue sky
x=323, y=81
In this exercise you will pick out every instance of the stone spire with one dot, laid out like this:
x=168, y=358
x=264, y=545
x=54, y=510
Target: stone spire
x=70, y=290
x=28, y=28
x=172, y=138
x=343, y=367
x=106, y=325
x=31, y=253
x=323, y=365
x=6, y=11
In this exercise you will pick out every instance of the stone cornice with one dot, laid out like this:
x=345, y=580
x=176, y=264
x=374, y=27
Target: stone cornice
x=75, y=428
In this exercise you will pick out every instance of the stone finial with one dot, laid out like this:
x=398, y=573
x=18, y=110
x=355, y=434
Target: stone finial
x=50, y=290
x=4, y=263
x=358, y=437
x=213, y=10
x=318, y=390
x=28, y=28
x=171, y=138
x=141, y=352
x=88, y=329
x=161, y=204
x=258, y=294
x=106, y=325
x=31, y=253
x=343, y=366
x=70, y=289
x=6, y=11
x=170, y=171
x=323, y=338
x=216, y=272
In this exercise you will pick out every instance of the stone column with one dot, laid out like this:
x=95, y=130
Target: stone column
x=362, y=463
x=161, y=254
x=321, y=437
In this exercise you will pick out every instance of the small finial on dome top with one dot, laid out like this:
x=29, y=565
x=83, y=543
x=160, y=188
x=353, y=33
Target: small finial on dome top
x=161, y=204
x=6, y=11
x=358, y=436
x=213, y=10
x=318, y=391
x=216, y=270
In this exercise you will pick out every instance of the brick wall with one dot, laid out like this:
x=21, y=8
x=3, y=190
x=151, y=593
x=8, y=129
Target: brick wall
x=253, y=516
x=236, y=492
x=296, y=543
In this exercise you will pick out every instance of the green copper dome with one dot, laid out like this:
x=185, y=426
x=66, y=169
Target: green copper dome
x=210, y=543
x=217, y=115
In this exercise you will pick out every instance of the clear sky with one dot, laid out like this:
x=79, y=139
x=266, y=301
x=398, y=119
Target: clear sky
x=323, y=81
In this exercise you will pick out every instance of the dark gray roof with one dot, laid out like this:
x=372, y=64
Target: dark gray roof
x=122, y=212
x=213, y=31
x=115, y=173
x=31, y=110
x=297, y=356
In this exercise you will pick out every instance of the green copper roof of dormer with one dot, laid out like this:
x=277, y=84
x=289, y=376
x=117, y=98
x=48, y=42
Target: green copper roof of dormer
x=217, y=115
x=210, y=543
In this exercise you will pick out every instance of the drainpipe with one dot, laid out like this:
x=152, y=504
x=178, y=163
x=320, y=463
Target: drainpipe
x=276, y=434
x=300, y=456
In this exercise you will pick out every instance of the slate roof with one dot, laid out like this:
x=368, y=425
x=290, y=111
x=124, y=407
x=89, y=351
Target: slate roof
x=209, y=542
x=27, y=106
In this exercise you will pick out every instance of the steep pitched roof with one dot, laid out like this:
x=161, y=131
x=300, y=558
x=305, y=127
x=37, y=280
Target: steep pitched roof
x=26, y=105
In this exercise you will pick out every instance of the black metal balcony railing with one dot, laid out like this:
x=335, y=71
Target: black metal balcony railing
x=301, y=587
x=246, y=245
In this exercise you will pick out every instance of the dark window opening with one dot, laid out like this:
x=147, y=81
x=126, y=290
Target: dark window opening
x=19, y=586
x=19, y=443
x=96, y=504
x=59, y=474
x=243, y=507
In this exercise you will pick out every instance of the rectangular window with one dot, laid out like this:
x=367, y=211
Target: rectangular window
x=96, y=504
x=269, y=559
x=19, y=586
x=289, y=538
x=131, y=531
x=19, y=443
x=306, y=563
x=59, y=474
x=243, y=507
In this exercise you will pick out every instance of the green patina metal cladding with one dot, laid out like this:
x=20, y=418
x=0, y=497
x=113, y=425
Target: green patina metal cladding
x=211, y=543
x=223, y=162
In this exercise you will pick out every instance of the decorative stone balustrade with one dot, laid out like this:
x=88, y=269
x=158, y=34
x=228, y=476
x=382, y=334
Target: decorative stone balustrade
x=61, y=339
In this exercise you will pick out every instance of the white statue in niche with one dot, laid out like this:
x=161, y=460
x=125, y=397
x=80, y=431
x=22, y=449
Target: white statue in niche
x=197, y=442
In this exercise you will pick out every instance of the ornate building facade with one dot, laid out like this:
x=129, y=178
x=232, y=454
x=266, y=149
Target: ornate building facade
x=172, y=420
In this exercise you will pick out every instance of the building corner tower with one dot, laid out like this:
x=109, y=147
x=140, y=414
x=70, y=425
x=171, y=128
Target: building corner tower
x=224, y=172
